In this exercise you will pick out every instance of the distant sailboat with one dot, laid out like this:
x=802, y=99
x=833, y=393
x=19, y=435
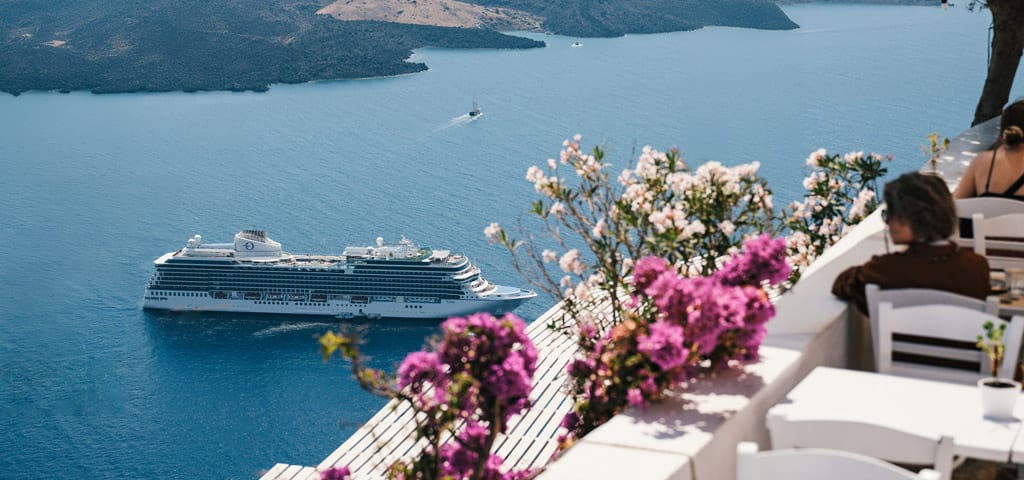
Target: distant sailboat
x=475, y=112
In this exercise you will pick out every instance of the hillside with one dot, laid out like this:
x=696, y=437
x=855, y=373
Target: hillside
x=443, y=13
x=110, y=46
x=612, y=18
x=923, y=3
x=125, y=46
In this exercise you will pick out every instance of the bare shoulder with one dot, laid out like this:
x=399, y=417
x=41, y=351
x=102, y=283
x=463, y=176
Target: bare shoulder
x=966, y=187
x=982, y=157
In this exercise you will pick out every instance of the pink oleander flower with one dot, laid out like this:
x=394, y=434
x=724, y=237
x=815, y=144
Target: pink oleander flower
x=763, y=260
x=496, y=352
x=647, y=270
x=664, y=345
x=635, y=398
x=422, y=370
x=335, y=473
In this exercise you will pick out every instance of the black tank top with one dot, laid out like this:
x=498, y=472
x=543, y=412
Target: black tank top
x=966, y=226
x=1010, y=192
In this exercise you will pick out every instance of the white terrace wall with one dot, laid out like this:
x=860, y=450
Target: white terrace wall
x=693, y=435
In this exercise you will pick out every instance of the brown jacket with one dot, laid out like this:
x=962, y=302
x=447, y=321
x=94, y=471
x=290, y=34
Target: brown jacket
x=939, y=267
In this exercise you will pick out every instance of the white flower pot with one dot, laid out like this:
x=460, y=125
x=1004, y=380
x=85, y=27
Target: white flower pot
x=998, y=400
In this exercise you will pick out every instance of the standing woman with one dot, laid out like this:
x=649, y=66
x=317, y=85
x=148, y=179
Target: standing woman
x=919, y=213
x=999, y=172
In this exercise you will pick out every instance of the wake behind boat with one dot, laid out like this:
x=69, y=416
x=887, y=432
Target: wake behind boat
x=254, y=275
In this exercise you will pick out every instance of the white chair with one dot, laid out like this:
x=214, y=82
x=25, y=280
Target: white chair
x=1002, y=233
x=906, y=297
x=938, y=342
x=813, y=463
x=874, y=441
x=987, y=206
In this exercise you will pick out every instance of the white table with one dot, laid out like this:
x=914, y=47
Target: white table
x=926, y=408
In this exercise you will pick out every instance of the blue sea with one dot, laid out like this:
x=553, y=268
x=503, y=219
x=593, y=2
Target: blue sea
x=93, y=188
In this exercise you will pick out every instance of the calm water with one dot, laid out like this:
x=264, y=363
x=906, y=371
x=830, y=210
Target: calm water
x=95, y=187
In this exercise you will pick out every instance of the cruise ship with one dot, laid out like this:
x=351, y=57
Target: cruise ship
x=254, y=275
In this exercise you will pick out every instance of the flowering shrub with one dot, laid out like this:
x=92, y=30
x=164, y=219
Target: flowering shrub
x=841, y=191
x=660, y=207
x=639, y=266
x=464, y=394
x=676, y=326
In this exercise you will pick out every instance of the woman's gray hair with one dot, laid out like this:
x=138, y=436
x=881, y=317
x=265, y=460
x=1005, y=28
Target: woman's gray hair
x=925, y=203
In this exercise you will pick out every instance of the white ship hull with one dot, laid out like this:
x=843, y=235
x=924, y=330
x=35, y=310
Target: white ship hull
x=341, y=309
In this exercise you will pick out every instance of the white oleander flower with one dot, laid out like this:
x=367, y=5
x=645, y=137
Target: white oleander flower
x=570, y=262
x=695, y=228
x=600, y=229
x=660, y=221
x=492, y=231
x=853, y=157
x=626, y=178
x=627, y=265
x=748, y=170
x=813, y=180
x=814, y=159
x=680, y=182
x=645, y=165
x=727, y=227
x=582, y=291
x=534, y=174
x=859, y=208
x=588, y=166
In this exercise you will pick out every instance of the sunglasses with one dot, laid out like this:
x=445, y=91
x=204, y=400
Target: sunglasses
x=885, y=215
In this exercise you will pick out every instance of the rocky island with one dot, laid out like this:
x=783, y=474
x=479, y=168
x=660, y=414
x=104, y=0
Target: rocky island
x=108, y=46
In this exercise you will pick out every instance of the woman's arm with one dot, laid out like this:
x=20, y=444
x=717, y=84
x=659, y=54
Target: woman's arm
x=966, y=189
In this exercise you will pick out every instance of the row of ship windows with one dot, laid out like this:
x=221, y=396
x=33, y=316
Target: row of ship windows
x=298, y=281
x=278, y=287
x=318, y=288
x=294, y=279
x=358, y=271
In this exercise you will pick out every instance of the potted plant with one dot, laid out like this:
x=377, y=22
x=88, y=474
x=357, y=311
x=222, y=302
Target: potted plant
x=998, y=395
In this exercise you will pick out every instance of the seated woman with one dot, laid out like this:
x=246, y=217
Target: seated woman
x=999, y=172
x=919, y=213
